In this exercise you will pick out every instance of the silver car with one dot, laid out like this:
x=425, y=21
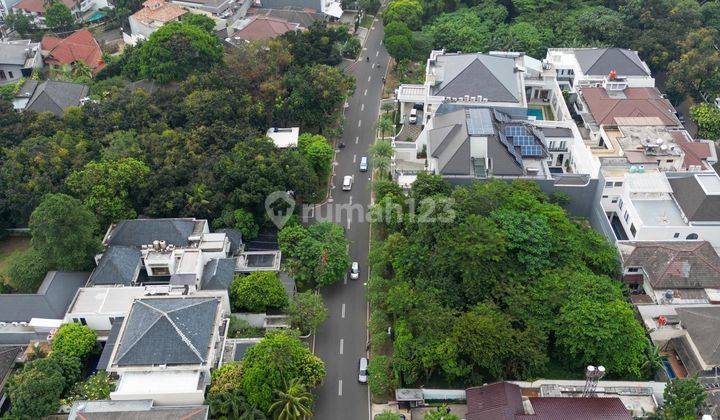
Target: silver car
x=363, y=373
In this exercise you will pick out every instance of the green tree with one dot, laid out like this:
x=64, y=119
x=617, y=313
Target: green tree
x=409, y=12
x=232, y=405
x=463, y=30
x=707, y=117
x=176, y=50
x=226, y=378
x=74, y=340
x=381, y=378
x=684, y=399
x=19, y=22
x=241, y=220
x=63, y=232
x=35, y=392
x=107, y=187
x=276, y=360
x=307, y=311
x=387, y=415
x=201, y=21
x=317, y=255
x=58, y=16
x=96, y=387
x=258, y=292
x=294, y=403
x=385, y=124
x=381, y=151
x=399, y=47
x=25, y=270
x=590, y=332
x=440, y=413
x=695, y=72
x=318, y=151
x=369, y=6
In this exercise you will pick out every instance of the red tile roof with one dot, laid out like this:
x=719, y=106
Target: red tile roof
x=38, y=6
x=158, y=11
x=632, y=102
x=264, y=27
x=696, y=152
x=80, y=46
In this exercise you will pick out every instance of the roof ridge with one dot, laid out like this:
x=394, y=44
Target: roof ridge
x=183, y=337
x=130, y=346
x=625, y=51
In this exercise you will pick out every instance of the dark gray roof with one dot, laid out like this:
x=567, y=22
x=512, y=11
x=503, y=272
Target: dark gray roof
x=697, y=205
x=601, y=61
x=182, y=279
x=27, y=88
x=51, y=300
x=138, y=232
x=218, y=274
x=483, y=75
x=501, y=162
x=703, y=326
x=104, y=360
x=450, y=143
x=118, y=265
x=7, y=361
x=134, y=410
x=55, y=96
x=557, y=132
x=240, y=350
x=169, y=331
x=295, y=4
x=235, y=238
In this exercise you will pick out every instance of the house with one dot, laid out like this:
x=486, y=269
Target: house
x=80, y=46
x=153, y=15
x=32, y=316
x=667, y=272
x=18, y=59
x=50, y=96
x=214, y=7
x=302, y=17
x=331, y=9
x=141, y=409
x=653, y=206
x=580, y=67
x=35, y=9
x=166, y=347
x=505, y=401
x=261, y=27
x=284, y=137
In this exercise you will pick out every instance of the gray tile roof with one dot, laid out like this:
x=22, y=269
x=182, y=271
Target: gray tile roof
x=7, y=361
x=302, y=17
x=106, y=354
x=703, y=326
x=138, y=232
x=55, y=96
x=477, y=74
x=171, y=331
x=450, y=143
x=288, y=283
x=51, y=300
x=218, y=274
x=694, y=202
x=235, y=238
x=134, y=410
x=118, y=265
x=601, y=61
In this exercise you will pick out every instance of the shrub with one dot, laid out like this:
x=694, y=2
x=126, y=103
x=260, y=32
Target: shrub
x=381, y=379
x=96, y=387
x=258, y=292
x=25, y=270
x=226, y=378
x=74, y=340
x=239, y=328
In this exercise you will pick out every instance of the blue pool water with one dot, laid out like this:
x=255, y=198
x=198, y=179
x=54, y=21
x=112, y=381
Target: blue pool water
x=668, y=369
x=96, y=16
x=534, y=112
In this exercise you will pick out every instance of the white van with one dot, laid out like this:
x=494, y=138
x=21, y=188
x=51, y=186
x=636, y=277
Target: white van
x=413, y=116
x=354, y=270
x=347, y=183
x=363, y=164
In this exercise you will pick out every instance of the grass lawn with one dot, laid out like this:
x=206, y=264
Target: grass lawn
x=10, y=245
x=367, y=21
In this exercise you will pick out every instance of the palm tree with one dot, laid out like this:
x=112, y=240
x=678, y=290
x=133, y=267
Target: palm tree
x=384, y=124
x=81, y=71
x=292, y=404
x=381, y=148
x=654, y=360
x=388, y=107
x=231, y=404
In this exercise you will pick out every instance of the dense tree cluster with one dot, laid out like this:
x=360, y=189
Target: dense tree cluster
x=673, y=36
x=493, y=281
x=258, y=292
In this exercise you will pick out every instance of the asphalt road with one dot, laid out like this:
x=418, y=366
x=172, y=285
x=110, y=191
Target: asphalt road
x=342, y=340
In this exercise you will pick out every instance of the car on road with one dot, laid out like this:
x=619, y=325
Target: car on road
x=355, y=271
x=362, y=368
x=413, y=116
x=347, y=183
x=363, y=164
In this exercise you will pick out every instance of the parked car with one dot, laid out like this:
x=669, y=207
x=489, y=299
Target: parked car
x=413, y=116
x=355, y=271
x=347, y=183
x=362, y=368
x=363, y=164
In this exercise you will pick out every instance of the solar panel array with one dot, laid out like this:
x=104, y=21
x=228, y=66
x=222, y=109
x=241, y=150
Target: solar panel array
x=479, y=122
x=515, y=130
x=523, y=141
x=533, y=150
x=510, y=148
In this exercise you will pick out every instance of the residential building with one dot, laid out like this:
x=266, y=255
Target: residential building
x=581, y=67
x=284, y=137
x=80, y=46
x=166, y=347
x=50, y=96
x=35, y=9
x=302, y=17
x=214, y=7
x=153, y=15
x=260, y=27
x=18, y=59
x=332, y=9
x=33, y=316
x=679, y=272
x=141, y=409
x=505, y=401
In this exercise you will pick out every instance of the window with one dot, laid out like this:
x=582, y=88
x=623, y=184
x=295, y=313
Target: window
x=618, y=184
x=627, y=216
x=620, y=204
x=614, y=200
x=676, y=235
x=605, y=196
x=633, y=231
x=692, y=236
x=633, y=269
x=608, y=183
x=160, y=271
x=2, y=75
x=10, y=75
x=669, y=161
x=562, y=145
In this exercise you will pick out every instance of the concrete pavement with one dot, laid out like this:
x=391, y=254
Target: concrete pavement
x=342, y=340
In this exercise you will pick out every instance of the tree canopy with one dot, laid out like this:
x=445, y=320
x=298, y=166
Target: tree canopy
x=317, y=254
x=258, y=292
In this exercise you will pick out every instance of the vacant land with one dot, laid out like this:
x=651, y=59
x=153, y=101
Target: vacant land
x=10, y=245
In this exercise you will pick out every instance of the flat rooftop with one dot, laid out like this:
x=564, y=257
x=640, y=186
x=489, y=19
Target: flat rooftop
x=139, y=383
x=105, y=300
x=710, y=183
x=659, y=212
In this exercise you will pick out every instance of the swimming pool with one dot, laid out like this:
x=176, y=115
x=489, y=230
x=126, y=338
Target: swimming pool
x=668, y=369
x=97, y=15
x=534, y=112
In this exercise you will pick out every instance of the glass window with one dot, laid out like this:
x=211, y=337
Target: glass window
x=633, y=231
x=608, y=183
x=618, y=184
x=676, y=235
x=692, y=236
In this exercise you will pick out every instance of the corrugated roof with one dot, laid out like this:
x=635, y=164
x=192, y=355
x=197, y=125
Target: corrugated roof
x=703, y=327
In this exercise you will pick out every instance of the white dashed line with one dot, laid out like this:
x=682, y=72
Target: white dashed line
x=342, y=311
x=359, y=123
x=357, y=139
x=369, y=77
x=362, y=107
x=342, y=344
x=340, y=388
x=354, y=158
x=377, y=53
x=365, y=93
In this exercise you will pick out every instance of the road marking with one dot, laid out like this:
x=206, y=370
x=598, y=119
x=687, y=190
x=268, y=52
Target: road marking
x=357, y=139
x=342, y=343
x=350, y=203
x=359, y=123
x=342, y=311
x=377, y=53
x=362, y=107
x=348, y=223
x=369, y=78
x=365, y=93
x=345, y=279
x=340, y=388
x=354, y=158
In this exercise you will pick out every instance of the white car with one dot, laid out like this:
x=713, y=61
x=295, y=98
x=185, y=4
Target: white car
x=362, y=368
x=354, y=271
x=347, y=183
x=413, y=116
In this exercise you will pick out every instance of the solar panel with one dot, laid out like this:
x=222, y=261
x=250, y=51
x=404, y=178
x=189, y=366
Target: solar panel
x=515, y=130
x=533, y=150
x=479, y=121
x=523, y=140
x=510, y=148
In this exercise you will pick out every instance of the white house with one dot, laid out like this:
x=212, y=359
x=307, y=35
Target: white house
x=18, y=59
